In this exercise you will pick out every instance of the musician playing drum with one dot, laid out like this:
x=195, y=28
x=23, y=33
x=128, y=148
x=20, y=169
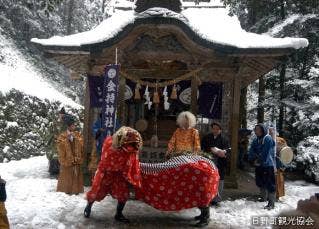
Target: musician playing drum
x=280, y=182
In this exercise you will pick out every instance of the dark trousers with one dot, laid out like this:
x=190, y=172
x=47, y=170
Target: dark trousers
x=54, y=166
x=265, y=178
x=240, y=160
x=218, y=198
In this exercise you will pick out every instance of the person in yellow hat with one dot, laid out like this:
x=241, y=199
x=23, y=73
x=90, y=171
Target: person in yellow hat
x=4, y=222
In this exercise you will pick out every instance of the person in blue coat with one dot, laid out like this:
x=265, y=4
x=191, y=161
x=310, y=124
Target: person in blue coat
x=262, y=152
x=99, y=134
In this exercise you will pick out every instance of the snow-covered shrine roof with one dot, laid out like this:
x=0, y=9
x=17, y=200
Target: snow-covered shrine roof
x=211, y=26
x=126, y=4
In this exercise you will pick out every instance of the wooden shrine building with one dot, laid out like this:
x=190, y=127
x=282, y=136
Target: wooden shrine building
x=163, y=46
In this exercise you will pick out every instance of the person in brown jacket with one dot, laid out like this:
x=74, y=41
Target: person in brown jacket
x=70, y=150
x=4, y=222
x=280, y=180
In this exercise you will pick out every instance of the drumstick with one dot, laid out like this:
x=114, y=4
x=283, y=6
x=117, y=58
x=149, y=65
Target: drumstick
x=213, y=104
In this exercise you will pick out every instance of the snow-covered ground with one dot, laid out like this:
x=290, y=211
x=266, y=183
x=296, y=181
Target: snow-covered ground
x=17, y=72
x=33, y=203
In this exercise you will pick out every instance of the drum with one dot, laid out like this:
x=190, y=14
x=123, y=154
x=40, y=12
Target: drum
x=286, y=155
x=141, y=125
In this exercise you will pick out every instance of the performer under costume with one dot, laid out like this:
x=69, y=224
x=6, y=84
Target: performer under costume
x=182, y=182
x=119, y=167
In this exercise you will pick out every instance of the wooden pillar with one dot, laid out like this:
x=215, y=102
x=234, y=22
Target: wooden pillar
x=194, y=88
x=236, y=83
x=243, y=108
x=87, y=135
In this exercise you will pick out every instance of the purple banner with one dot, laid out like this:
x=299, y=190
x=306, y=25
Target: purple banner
x=110, y=91
x=96, y=90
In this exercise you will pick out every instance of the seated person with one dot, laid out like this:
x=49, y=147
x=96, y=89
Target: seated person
x=186, y=138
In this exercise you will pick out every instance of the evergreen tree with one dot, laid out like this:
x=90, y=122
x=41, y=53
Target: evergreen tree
x=284, y=96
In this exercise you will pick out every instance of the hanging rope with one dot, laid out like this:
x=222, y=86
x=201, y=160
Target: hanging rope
x=165, y=83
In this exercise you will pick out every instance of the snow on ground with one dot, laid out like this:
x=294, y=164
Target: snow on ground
x=239, y=213
x=19, y=73
x=33, y=203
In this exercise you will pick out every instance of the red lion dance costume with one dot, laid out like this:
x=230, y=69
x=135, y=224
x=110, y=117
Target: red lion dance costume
x=182, y=182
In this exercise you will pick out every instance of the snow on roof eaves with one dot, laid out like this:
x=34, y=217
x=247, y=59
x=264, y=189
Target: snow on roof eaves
x=105, y=30
x=212, y=25
x=162, y=12
x=122, y=3
x=211, y=3
x=131, y=4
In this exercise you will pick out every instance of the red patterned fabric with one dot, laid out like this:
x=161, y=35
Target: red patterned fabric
x=117, y=169
x=186, y=186
x=181, y=183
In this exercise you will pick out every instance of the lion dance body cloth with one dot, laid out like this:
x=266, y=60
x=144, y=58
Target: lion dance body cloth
x=180, y=183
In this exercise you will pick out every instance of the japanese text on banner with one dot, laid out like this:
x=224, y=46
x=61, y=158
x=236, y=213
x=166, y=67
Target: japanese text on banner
x=110, y=91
